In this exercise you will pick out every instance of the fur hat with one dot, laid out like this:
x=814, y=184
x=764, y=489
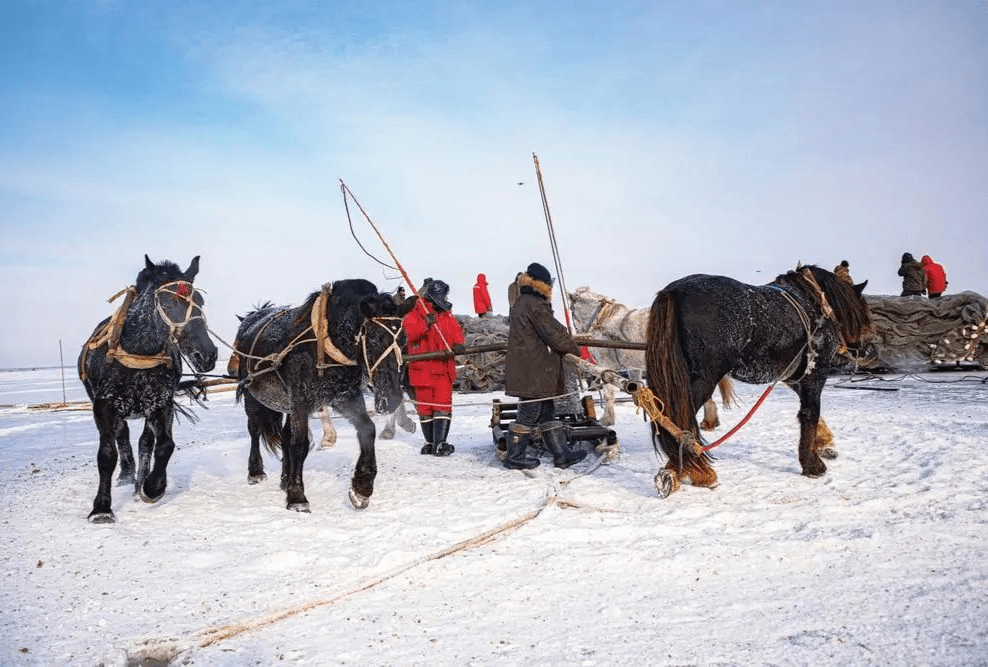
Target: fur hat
x=539, y=272
x=436, y=292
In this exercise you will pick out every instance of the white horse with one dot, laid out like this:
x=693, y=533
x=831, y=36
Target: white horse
x=602, y=318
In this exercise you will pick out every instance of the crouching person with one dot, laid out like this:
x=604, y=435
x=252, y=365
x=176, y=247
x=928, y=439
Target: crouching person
x=533, y=372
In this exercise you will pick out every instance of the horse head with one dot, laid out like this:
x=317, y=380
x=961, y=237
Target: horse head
x=382, y=339
x=850, y=311
x=585, y=305
x=180, y=306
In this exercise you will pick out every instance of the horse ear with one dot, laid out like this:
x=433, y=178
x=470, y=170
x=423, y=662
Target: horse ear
x=148, y=264
x=406, y=306
x=190, y=273
x=859, y=288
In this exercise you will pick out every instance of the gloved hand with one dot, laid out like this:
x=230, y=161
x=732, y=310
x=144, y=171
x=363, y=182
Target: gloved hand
x=430, y=319
x=459, y=349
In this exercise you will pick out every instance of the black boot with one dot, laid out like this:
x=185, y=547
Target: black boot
x=440, y=429
x=518, y=438
x=554, y=436
x=427, y=434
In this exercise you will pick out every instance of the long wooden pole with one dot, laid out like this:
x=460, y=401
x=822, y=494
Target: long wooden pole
x=553, y=245
x=384, y=242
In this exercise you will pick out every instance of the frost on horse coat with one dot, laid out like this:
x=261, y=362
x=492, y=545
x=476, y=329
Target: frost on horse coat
x=278, y=364
x=163, y=323
x=794, y=330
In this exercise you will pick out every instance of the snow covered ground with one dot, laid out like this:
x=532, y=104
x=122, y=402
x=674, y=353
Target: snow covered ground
x=460, y=561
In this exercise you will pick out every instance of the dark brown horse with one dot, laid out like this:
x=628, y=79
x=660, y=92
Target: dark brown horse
x=294, y=361
x=794, y=330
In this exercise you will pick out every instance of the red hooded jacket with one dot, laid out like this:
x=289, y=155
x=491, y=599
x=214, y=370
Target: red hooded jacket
x=481, y=297
x=936, y=277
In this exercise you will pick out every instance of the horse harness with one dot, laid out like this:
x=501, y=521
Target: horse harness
x=319, y=326
x=821, y=299
x=109, y=334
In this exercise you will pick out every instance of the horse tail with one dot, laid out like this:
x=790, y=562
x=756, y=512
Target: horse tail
x=269, y=423
x=667, y=371
x=727, y=395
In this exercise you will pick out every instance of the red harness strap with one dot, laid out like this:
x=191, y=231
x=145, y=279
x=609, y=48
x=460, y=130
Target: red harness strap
x=734, y=430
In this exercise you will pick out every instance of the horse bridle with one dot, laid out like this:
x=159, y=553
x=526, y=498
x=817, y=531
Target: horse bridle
x=394, y=347
x=185, y=291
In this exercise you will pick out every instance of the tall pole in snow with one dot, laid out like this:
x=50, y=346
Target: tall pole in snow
x=61, y=365
x=555, y=247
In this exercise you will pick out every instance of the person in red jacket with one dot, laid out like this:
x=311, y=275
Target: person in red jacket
x=936, y=277
x=431, y=327
x=481, y=297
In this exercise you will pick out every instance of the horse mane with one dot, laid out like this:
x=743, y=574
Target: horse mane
x=850, y=310
x=347, y=293
x=164, y=272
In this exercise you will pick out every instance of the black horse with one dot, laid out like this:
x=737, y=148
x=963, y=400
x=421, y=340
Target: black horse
x=132, y=367
x=295, y=360
x=701, y=328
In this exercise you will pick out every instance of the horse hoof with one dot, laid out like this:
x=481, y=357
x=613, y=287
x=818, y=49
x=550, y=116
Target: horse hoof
x=409, y=426
x=101, y=517
x=299, y=507
x=663, y=483
x=150, y=499
x=359, y=501
x=254, y=479
x=125, y=481
x=828, y=453
x=386, y=434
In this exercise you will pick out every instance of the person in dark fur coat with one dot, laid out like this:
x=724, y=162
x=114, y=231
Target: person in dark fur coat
x=843, y=271
x=913, y=276
x=533, y=372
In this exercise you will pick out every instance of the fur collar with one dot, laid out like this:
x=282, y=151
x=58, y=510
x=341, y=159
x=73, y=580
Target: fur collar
x=525, y=280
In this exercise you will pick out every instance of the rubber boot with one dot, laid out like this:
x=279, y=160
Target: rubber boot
x=427, y=434
x=554, y=436
x=519, y=437
x=440, y=429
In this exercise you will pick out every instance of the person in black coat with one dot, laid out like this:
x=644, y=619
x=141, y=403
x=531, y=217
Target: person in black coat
x=913, y=276
x=534, y=371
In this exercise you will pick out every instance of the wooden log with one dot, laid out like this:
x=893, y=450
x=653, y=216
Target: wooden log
x=501, y=347
x=605, y=374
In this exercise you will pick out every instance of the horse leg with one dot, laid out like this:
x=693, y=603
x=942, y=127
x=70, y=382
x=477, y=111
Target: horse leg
x=823, y=442
x=362, y=484
x=255, y=462
x=145, y=447
x=155, y=483
x=328, y=430
x=295, y=452
x=406, y=422
x=607, y=419
x=388, y=432
x=126, y=456
x=710, y=418
x=809, y=418
x=108, y=425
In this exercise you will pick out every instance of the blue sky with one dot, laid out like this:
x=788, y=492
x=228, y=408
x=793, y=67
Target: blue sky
x=734, y=138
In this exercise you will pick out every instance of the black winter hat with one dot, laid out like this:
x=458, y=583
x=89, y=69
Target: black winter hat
x=907, y=257
x=436, y=292
x=843, y=262
x=539, y=272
